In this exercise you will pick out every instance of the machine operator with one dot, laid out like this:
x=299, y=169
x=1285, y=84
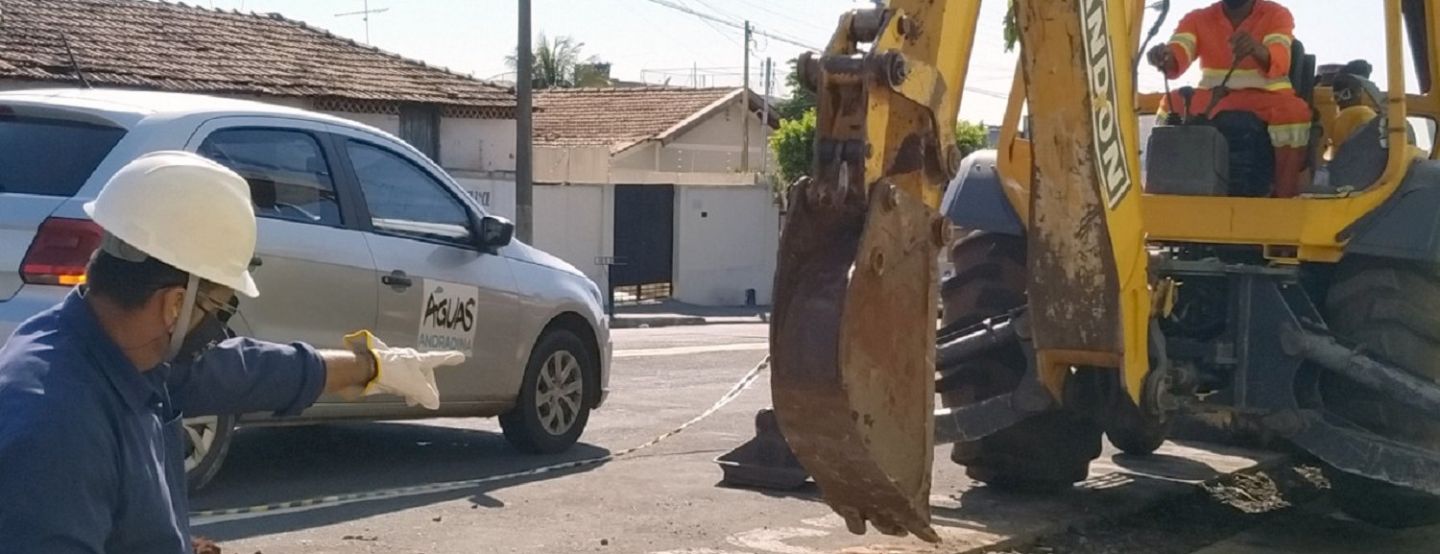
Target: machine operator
x=1252, y=37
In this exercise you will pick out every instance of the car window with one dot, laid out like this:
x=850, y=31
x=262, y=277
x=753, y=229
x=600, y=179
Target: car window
x=287, y=171
x=404, y=199
x=52, y=157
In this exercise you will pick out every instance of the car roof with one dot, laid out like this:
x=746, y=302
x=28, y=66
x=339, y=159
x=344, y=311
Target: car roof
x=143, y=103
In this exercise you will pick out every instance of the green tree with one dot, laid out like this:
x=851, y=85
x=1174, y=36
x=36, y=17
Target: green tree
x=971, y=136
x=794, y=146
x=800, y=100
x=1012, y=28
x=558, y=63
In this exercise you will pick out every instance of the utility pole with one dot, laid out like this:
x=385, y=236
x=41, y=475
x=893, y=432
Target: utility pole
x=364, y=14
x=524, y=166
x=745, y=103
x=769, y=72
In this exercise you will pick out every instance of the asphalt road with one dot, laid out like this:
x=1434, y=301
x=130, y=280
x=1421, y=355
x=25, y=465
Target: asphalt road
x=661, y=500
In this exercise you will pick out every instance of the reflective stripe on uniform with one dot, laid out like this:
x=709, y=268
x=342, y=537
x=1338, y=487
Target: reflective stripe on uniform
x=1243, y=78
x=1186, y=42
x=1295, y=135
x=1278, y=38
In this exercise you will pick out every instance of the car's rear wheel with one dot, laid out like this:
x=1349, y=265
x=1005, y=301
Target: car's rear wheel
x=554, y=402
x=207, y=441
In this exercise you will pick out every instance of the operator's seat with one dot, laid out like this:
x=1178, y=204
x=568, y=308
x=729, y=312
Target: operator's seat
x=1302, y=72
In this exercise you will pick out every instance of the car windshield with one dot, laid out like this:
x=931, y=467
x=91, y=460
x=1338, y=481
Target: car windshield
x=51, y=157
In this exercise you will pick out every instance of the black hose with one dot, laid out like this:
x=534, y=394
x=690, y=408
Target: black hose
x=1219, y=93
x=1145, y=46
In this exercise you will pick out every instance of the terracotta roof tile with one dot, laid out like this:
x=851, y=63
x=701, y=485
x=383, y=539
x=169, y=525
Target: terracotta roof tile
x=615, y=117
x=175, y=47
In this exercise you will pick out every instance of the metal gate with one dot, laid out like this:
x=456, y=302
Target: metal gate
x=644, y=242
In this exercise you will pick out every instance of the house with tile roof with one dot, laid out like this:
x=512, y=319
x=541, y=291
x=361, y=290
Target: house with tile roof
x=465, y=124
x=655, y=180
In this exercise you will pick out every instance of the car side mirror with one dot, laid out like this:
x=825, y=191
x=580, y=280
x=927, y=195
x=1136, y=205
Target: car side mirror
x=494, y=232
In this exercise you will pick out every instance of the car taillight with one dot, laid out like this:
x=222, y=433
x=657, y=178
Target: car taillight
x=60, y=252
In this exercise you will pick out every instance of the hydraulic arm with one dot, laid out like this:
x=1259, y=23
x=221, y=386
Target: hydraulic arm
x=853, y=335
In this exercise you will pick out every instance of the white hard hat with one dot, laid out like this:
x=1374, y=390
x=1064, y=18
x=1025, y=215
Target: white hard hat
x=186, y=211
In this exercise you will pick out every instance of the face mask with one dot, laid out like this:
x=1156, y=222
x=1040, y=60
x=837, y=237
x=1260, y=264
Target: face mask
x=1236, y=4
x=210, y=330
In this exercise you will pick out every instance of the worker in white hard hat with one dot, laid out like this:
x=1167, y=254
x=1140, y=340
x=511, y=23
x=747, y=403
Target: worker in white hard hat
x=92, y=392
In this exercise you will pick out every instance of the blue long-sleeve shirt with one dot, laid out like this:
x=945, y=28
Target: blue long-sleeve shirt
x=92, y=449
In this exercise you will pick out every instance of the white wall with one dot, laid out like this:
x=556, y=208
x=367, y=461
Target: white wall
x=714, y=144
x=639, y=157
x=477, y=144
x=726, y=238
x=579, y=165
x=493, y=191
x=383, y=122
x=465, y=144
x=573, y=223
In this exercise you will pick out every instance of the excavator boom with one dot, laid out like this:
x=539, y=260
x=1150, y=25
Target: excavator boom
x=854, y=327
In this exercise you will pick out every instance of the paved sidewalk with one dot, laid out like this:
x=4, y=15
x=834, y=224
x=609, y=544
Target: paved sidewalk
x=670, y=313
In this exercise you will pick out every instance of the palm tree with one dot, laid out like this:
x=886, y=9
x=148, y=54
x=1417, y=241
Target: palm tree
x=557, y=62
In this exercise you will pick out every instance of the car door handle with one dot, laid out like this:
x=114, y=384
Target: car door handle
x=397, y=279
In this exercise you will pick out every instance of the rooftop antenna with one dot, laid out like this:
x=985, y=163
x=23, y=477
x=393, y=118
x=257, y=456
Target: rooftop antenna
x=364, y=16
x=74, y=64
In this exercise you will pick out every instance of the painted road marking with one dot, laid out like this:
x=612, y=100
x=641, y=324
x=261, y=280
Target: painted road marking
x=684, y=350
x=206, y=517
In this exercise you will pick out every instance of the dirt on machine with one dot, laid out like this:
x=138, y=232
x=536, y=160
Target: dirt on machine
x=1092, y=299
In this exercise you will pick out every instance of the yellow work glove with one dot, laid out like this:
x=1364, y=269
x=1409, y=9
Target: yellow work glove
x=404, y=372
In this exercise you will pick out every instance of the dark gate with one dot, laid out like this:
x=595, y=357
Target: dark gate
x=644, y=242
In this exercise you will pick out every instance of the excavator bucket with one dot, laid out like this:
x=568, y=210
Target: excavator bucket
x=852, y=337
x=852, y=342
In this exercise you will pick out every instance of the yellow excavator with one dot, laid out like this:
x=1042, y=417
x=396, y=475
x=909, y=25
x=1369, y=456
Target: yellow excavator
x=1090, y=297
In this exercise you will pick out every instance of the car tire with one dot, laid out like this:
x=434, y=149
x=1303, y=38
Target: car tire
x=555, y=396
x=207, y=441
x=1389, y=309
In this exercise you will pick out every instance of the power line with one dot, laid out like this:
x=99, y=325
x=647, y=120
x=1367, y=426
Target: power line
x=717, y=10
x=731, y=24
x=762, y=7
x=721, y=33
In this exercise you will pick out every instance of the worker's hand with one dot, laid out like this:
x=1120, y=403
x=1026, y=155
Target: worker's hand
x=1161, y=57
x=1244, y=45
x=404, y=372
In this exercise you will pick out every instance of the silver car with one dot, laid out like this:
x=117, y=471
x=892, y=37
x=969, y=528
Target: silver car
x=357, y=230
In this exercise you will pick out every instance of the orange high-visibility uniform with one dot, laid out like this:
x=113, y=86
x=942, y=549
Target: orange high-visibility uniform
x=1204, y=34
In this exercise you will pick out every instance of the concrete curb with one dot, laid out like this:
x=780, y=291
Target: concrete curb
x=637, y=321
x=641, y=322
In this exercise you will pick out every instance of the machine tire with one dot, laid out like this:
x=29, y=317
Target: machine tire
x=1140, y=430
x=213, y=436
x=1392, y=310
x=1047, y=452
x=558, y=360
x=1135, y=434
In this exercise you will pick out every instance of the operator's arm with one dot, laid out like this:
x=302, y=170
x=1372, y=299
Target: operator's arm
x=1279, y=35
x=1183, y=46
x=244, y=375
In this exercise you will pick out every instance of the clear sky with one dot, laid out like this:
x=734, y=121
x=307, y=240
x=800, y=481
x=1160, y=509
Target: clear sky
x=648, y=42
